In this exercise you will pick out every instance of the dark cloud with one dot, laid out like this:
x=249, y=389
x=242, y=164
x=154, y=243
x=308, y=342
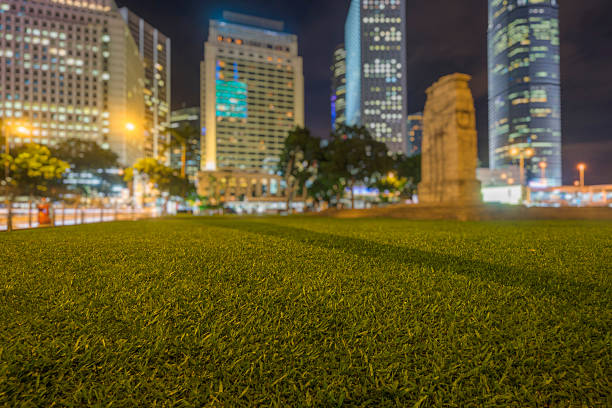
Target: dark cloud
x=444, y=36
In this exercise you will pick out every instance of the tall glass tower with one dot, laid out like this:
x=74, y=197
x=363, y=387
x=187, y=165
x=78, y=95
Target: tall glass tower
x=375, y=41
x=338, y=97
x=525, y=87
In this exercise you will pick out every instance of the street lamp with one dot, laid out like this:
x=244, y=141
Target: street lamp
x=19, y=129
x=523, y=154
x=581, y=169
x=130, y=127
x=22, y=130
x=543, y=166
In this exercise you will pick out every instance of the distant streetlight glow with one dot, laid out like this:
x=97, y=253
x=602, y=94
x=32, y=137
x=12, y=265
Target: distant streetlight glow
x=22, y=130
x=522, y=154
x=581, y=169
x=130, y=126
x=543, y=166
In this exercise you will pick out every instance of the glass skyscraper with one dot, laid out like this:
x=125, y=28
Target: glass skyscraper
x=376, y=69
x=338, y=96
x=525, y=86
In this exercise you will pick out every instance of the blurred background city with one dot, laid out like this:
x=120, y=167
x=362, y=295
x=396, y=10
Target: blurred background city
x=114, y=110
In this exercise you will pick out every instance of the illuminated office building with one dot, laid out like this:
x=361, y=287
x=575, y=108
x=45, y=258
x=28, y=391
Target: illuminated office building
x=376, y=69
x=525, y=86
x=252, y=93
x=338, y=96
x=414, y=135
x=155, y=51
x=71, y=70
x=179, y=118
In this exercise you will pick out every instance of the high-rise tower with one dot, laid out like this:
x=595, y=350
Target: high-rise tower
x=338, y=97
x=71, y=70
x=525, y=86
x=375, y=40
x=252, y=93
x=154, y=49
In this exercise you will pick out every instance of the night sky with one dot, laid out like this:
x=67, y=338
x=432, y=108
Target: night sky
x=444, y=36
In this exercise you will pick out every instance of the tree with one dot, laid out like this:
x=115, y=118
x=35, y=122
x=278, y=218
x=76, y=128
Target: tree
x=298, y=161
x=408, y=168
x=325, y=187
x=181, y=137
x=390, y=186
x=355, y=157
x=88, y=157
x=33, y=171
x=162, y=177
x=2, y=135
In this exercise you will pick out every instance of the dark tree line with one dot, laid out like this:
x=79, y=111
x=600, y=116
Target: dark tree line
x=326, y=170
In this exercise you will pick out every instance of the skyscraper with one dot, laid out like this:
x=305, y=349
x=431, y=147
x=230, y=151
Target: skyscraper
x=191, y=117
x=252, y=93
x=414, y=136
x=375, y=40
x=525, y=86
x=71, y=70
x=338, y=95
x=154, y=49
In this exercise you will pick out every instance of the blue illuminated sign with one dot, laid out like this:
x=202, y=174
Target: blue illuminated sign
x=231, y=99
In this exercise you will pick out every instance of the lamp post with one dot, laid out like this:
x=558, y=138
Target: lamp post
x=7, y=150
x=581, y=169
x=522, y=154
x=543, y=166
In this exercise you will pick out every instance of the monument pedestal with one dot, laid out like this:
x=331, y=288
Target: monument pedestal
x=449, y=151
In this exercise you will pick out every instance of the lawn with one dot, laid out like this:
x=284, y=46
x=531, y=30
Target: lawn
x=307, y=312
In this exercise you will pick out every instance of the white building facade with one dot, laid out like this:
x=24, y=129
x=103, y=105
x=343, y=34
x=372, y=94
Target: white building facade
x=252, y=93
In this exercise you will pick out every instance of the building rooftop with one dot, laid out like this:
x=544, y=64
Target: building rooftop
x=253, y=21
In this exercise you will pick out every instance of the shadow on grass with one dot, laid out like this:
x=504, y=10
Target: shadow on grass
x=540, y=282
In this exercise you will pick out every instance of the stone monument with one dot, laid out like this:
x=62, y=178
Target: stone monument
x=449, y=150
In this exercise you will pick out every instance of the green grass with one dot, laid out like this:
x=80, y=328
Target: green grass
x=307, y=312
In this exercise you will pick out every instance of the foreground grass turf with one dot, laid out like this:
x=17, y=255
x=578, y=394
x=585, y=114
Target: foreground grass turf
x=307, y=312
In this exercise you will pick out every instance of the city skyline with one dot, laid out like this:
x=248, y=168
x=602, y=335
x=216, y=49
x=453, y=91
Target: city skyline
x=434, y=52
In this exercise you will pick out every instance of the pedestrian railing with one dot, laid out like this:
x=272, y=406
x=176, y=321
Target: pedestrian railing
x=63, y=215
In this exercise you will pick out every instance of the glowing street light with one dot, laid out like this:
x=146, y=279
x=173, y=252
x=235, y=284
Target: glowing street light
x=22, y=130
x=130, y=126
x=522, y=154
x=19, y=129
x=543, y=166
x=581, y=168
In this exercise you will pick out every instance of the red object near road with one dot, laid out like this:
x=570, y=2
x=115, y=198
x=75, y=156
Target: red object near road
x=44, y=214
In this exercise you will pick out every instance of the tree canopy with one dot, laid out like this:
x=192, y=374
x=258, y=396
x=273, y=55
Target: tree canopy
x=88, y=157
x=354, y=157
x=33, y=170
x=164, y=178
x=299, y=159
